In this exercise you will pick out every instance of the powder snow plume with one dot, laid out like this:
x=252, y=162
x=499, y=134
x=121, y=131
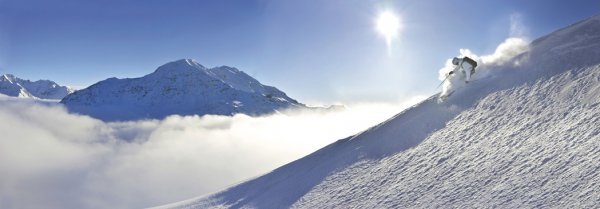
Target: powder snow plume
x=504, y=53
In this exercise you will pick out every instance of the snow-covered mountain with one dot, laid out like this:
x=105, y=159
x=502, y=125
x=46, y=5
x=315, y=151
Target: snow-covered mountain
x=42, y=89
x=525, y=135
x=181, y=87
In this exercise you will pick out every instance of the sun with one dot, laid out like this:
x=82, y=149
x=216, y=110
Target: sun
x=388, y=24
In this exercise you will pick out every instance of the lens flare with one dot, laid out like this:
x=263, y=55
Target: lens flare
x=388, y=25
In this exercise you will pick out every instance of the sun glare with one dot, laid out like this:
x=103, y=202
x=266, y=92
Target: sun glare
x=388, y=24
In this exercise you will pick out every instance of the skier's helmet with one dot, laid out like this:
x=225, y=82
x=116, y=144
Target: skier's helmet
x=455, y=61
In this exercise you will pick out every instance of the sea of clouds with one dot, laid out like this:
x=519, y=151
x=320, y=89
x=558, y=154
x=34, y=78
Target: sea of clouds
x=50, y=158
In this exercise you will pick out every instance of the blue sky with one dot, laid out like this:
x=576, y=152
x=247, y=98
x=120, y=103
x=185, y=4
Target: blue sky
x=316, y=51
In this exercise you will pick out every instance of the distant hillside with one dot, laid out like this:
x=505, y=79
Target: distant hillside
x=42, y=89
x=182, y=87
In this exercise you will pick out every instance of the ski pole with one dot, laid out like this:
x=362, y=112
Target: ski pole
x=447, y=76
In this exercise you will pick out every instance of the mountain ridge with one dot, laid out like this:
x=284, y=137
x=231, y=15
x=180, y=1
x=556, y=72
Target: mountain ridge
x=11, y=85
x=182, y=87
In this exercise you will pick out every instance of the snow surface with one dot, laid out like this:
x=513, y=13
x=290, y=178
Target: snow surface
x=525, y=135
x=11, y=85
x=181, y=87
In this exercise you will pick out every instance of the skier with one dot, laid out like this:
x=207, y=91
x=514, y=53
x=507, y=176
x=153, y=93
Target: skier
x=466, y=65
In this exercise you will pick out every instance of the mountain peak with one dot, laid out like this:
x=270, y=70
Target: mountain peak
x=9, y=77
x=44, y=89
x=190, y=62
x=181, y=87
x=182, y=65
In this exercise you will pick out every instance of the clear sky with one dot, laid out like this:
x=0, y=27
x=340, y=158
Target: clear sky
x=316, y=51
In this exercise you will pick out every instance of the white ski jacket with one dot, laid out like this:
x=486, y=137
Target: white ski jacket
x=465, y=67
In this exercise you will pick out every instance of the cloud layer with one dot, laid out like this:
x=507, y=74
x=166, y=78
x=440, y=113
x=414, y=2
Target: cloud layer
x=52, y=159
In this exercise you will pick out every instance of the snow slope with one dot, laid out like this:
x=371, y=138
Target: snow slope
x=525, y=135
x=181, y=87
x=11, y=85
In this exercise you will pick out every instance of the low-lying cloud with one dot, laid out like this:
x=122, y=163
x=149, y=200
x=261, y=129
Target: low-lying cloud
x=52, y=159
